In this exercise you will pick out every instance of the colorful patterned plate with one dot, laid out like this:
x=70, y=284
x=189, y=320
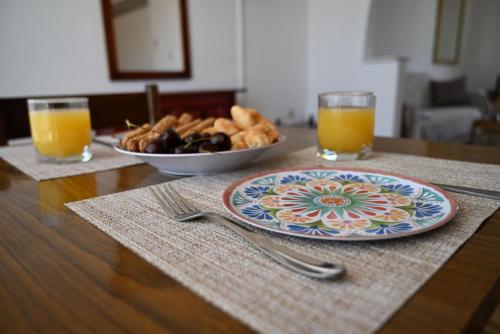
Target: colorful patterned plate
x=339, y=204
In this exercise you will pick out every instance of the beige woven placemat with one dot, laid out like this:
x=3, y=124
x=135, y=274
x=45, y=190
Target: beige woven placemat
x=224, y=269
x=104, y=158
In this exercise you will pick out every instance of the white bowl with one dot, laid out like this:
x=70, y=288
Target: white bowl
x=201, y=163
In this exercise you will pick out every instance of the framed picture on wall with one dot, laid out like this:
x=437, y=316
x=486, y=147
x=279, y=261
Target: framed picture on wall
x=147, y=39
x=448, y=36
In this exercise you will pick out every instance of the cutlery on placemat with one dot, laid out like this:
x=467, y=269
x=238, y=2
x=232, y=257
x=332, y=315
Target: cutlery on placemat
x=470, y=191
x=183, y=211
x=106, y=140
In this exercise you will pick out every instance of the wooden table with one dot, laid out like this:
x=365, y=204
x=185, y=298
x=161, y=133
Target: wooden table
x=60, y=274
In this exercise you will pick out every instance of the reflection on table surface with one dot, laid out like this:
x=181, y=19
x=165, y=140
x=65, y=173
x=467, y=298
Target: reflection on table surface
x=59, y=272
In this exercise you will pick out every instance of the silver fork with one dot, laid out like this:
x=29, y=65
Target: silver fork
x=183, y=211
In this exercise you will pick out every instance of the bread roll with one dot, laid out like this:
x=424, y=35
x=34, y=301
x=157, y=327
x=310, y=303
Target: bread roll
x=247, y=129
x=239, y=145
x=203, y=125
x=245, y=118
x=134, y=133
x=132, y=144
x=268, y=129
x=227, y=126
x=152, y=135
x=255, y=138
x=238, y=136
x=210, y=131
x=165, y=123
x=185, y=118
x=187, y=126
x=198, y=128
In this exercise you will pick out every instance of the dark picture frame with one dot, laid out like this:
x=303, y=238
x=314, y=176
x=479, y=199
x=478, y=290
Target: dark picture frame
x=114, y=69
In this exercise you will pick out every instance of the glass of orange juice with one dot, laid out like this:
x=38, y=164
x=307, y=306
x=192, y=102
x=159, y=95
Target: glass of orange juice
x=60, y=129
x=345, y=125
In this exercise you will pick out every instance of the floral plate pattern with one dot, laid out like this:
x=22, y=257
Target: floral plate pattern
x=339, y=204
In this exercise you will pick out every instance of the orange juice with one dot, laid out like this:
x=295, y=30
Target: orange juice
x=345, y=129
x=62, y=133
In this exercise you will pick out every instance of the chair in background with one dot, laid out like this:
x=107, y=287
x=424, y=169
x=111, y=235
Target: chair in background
x=494, y=94
x=108, y=112
x=485, y=132
x=494, y=101
x=439, y=111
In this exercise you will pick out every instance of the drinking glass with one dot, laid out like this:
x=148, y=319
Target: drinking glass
x=345, y=125
x=60, y=129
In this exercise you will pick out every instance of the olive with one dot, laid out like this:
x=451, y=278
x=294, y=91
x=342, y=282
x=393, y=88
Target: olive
x=194, y=140
x=156, y=146
x=185, y=150
x=170, y=139
x=221, y=140
x=207, y=147
x=191, y=138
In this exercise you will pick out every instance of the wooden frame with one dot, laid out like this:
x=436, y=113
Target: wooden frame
x=458, y=42
x=114, y=70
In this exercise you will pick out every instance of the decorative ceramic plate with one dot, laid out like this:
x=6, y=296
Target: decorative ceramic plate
x=339, y=204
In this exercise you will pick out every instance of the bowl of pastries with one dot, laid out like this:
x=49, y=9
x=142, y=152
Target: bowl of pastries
x=186, y=145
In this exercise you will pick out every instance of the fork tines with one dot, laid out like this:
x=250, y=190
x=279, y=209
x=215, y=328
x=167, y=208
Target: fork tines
x=171, y=199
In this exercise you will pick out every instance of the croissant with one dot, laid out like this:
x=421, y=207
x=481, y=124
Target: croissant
x=245, y=118
x=238, y=136
x=247, y=129
x=256, y=138
x=239, y=145
x=227, y=126
x=267, y=128
x=210, y=131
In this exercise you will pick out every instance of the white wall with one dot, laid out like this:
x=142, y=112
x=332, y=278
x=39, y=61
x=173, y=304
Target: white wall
x=58, y=47
x=296, y=49
x=481, y=52
x=337, y=38
x=406, y=28
x=275, y=35
x=284, y=52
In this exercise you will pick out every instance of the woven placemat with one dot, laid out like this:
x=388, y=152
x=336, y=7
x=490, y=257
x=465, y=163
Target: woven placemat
x=224, y=269
x=104, y=158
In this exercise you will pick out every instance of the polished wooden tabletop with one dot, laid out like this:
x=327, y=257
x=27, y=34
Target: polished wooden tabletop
x=60, y=274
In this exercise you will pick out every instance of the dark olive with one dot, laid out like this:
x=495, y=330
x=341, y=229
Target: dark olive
x=170, y=139
x=207, y=147
x=191, y=138
x=221, y=140
x=194, y=140
x=156, y=146
x=185, y=149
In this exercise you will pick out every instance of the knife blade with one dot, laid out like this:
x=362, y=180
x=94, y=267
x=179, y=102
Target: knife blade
x=491, y=194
